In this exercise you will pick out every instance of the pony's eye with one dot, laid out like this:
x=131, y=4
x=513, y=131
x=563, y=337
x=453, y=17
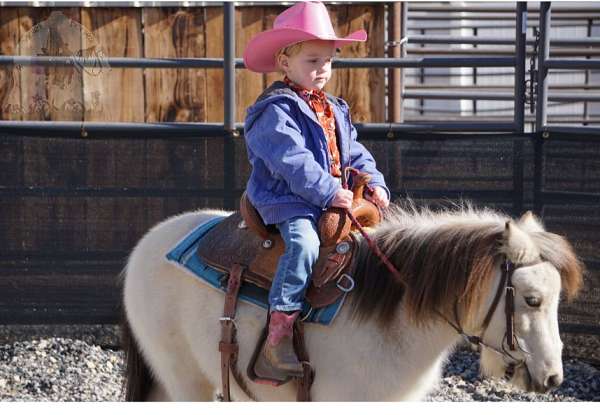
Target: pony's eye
x=533, y=301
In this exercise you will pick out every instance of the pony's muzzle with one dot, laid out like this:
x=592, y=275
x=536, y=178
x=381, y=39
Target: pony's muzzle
x=553, y=381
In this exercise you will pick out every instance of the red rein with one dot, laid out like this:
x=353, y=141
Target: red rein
x=370, y=241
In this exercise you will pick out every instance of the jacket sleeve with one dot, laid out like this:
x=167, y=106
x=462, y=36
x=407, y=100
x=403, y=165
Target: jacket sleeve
x=277, y=140
x=361, y=159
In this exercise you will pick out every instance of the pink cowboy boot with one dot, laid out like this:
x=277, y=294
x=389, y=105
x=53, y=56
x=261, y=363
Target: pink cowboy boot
x=278, y=359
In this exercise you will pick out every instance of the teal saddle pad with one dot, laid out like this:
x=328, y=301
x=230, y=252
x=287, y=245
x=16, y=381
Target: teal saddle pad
x=184, y=254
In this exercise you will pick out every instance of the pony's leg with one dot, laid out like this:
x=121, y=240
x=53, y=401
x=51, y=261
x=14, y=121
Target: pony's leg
x=158, y=393
x=183, y=380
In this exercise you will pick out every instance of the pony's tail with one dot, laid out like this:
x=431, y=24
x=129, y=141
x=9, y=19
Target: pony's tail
x=138, y=378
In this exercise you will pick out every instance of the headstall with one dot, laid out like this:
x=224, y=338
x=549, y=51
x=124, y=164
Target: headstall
x=510, y=338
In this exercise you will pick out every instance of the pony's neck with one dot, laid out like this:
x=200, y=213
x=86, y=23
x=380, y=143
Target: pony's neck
x=438, y=263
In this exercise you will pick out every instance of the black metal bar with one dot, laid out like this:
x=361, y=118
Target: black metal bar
x=521, y=57
x=239, y=64
x=494, y=17
x=498, y=51
x=112, y=62
x=570, y=133
x=482, y=25
x=501, y=96
x=490, y=195
x=103, y=130
x=542, y=73
x=424, y=62
x=541, y=108
x=439, y=86
x=553, y=63
x=496, y=8
x=7, y=192
x=573, y=98
x=476, y=40
x=550, y=197
x=73, y=129
x=229, y=109
x=587, y=72
x=387, y=129
x=519, y=107
x=483, y=96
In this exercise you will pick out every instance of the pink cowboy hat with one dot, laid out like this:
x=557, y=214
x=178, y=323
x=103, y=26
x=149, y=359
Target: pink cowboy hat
x=303, y=21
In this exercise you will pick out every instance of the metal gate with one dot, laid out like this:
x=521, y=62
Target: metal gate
x=526, y=154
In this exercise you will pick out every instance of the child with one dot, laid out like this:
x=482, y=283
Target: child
x=298, y=140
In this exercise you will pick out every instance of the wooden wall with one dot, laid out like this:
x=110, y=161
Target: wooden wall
x=154, y=95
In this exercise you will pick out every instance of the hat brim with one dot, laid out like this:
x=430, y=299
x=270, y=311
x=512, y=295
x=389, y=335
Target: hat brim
x=259, y=55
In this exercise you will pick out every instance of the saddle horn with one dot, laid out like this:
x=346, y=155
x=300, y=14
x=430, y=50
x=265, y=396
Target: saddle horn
x=335, y=225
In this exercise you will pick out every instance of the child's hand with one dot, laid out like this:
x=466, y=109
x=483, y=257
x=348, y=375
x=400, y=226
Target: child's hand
x=379, y=197
x=342, y=199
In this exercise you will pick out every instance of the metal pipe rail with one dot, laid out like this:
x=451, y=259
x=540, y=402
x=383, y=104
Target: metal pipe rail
x=479, y=8
x=496, y=17
x=498, y=51
x=552, y=63
x=476, y=40
x=497, y=96
x=479, y=86
x=186, y=130
x=458, y=26
x=239, y=63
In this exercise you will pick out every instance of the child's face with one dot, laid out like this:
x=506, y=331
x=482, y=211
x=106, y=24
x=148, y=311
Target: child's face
x=311, y=67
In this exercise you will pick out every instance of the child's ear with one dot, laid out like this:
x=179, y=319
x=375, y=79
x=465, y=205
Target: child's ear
x=282, y=61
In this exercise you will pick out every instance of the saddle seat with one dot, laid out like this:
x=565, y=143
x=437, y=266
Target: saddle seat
x=242, y=238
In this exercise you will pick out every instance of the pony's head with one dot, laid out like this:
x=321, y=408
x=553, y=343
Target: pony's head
x=451, y=266
x=545, y=266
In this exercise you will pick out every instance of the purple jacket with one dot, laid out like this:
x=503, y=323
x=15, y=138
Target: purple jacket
x=288, y=152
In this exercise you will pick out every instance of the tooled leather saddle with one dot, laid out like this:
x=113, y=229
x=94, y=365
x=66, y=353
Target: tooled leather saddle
x=243, y=239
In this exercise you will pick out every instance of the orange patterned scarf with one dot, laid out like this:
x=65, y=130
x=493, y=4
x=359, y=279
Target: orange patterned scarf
x=318, y=102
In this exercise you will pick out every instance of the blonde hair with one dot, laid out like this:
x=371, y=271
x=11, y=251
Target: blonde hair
x=289, y=51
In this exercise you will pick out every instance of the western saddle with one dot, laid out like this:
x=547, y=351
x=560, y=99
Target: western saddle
x=246, y=250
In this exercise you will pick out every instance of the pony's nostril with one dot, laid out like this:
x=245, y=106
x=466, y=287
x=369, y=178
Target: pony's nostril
x=553, y=381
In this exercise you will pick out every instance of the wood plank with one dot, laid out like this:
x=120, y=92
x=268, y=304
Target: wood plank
x=366, y=99
x=50, y=93
x=214, y=77
x=174, y=94
x=65, y=83
x=32, y=42
x=249, y=22
x=10, y=78
x=113, y=94
x=270, y=13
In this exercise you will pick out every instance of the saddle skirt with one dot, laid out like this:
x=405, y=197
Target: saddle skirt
x=232, y=242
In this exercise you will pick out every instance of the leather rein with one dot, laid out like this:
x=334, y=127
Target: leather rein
x=372, y=245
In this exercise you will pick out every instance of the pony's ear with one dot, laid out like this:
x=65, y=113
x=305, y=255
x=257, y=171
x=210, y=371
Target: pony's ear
x=517, y=245
x=530, y=223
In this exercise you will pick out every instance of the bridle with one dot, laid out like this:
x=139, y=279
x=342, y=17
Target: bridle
x=510, y=339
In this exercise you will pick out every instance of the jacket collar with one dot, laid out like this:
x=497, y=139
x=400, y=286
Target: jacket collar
x=279, y=88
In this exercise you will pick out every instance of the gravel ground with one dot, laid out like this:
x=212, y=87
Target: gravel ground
x=75, y=363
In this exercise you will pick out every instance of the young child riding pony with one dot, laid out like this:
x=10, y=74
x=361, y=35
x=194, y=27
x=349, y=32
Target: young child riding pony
x=299, y=139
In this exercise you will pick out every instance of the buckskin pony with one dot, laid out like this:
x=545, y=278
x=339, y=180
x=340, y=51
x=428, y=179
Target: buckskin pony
x=466, y=273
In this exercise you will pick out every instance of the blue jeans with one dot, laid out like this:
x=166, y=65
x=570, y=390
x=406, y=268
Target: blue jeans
x=295, y=266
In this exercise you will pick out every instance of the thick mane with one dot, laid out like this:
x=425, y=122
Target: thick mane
x=443, y=257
